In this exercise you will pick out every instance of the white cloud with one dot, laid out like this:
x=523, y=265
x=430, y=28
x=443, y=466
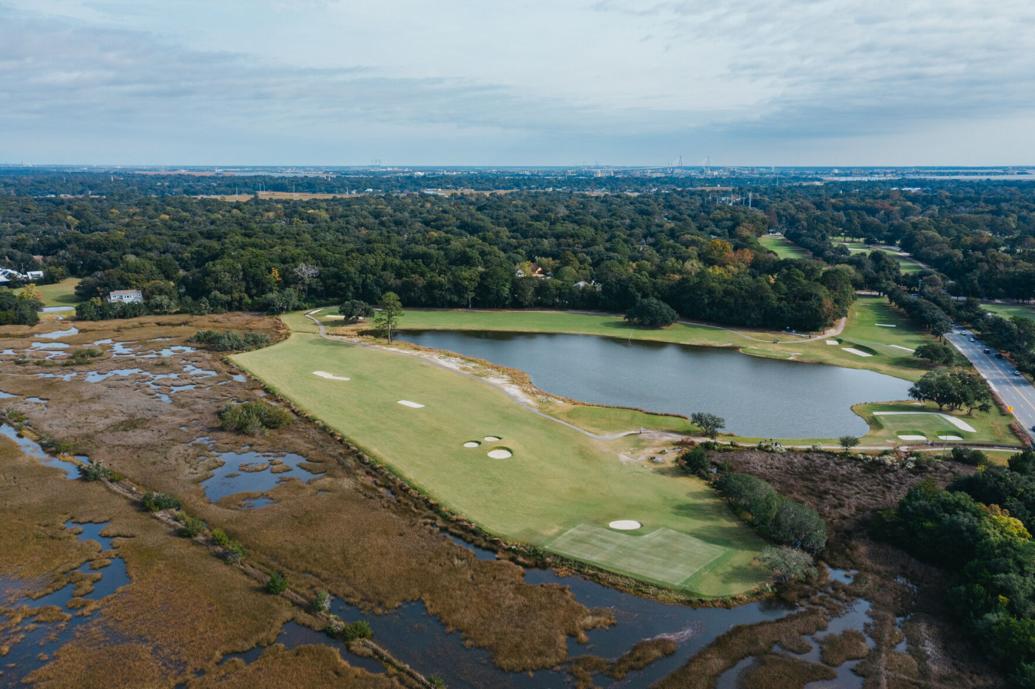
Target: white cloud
x=467, y=81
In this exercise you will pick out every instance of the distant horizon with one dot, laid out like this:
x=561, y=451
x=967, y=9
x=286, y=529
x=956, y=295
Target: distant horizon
x=172, y=167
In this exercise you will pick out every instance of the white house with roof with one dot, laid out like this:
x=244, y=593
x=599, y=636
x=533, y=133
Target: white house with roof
x=125, y=296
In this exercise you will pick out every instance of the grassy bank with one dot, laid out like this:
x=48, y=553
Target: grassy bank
x=558, y=490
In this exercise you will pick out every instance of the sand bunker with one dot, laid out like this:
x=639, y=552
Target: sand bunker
x=329, y=376
x=833, y=342
x=411, y=405
x=885, y=325
x=904, y=349
x=949, y=437
x=857, y=352
x=625, y=525
x=921, y=438
x=500, y=453
x=492, y=438
x=472, y=443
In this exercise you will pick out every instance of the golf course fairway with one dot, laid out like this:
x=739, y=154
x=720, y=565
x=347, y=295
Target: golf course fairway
x=519, y=475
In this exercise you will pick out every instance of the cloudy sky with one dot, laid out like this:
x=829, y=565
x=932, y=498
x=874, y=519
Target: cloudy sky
x=339, y=82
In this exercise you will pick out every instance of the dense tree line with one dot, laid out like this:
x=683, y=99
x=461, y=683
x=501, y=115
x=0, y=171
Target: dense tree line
x=776, y=517
x=980, y=530
x=18, y=309
x=582, y=251
x=980, y=235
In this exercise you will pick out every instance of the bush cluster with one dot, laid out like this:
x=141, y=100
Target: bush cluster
x=229, y=340
x=276, y=584
x=232, y=550
x=191, y=527
x=95, y=471
x=82, y=356
x=156, y=502
x=780, y=519
x=353, y=631
x=252, y=417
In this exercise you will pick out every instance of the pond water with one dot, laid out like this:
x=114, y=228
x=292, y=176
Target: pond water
x=42, y=639
x=757, y=397
x=33, y=449
x=253, y=472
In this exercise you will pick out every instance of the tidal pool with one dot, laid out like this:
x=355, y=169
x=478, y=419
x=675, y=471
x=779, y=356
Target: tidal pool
x=757, y=397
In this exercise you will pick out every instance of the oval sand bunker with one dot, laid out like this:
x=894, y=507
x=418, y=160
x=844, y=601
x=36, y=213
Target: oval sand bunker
x=492, y=438
x=625, y=525
x=472, y=443
x=500, y=453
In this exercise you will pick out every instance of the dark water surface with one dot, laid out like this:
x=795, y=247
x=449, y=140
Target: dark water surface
x=757, y=397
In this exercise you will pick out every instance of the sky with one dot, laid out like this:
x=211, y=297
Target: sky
x=517, y=82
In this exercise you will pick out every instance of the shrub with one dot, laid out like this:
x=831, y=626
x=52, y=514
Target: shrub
x=276, y=584
x=966, y=455
x=155, y=502
x=233, y=552
x=353, y=631
x=798, y=525
x=252, y=417
x=220, y=538
x=81, y=356
x=190, y=527
x=95, y=471
x=787, y=564
x=229, y=340
x=321, y=602
x=695, y=461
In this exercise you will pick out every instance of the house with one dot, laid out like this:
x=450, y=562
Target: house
x=126, y=296
x=34, y=275
x=531, y=270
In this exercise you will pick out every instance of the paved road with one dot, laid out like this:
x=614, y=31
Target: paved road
x=1011, y=386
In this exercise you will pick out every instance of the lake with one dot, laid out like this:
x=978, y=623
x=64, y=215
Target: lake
x=757, y=397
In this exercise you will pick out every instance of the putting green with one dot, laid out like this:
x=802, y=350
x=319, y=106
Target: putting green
x=556, y=480
x=663, y=556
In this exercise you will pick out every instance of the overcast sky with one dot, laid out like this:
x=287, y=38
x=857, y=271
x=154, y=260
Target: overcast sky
x=344, y=82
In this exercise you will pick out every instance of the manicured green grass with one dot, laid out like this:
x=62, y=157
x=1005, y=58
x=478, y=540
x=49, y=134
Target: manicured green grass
x=617, y=419
x=907, y=264
x=865, y=331
x=557, y=479
x=60, y=293
x=661, y=556
x=579, y=323
x=992, y=427
x=1010, y=310
x=782, y=247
